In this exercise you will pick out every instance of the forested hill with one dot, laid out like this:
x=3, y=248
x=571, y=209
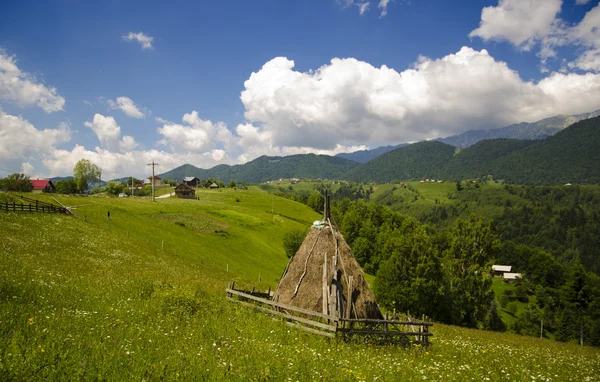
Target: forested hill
x=572, y=155
x=268, y=168
x=419, y=160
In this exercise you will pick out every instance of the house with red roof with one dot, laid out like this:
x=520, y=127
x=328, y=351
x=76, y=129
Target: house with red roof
x=44, y=185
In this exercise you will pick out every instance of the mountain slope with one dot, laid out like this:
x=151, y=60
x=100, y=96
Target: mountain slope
x=572, y=155
x=268, y=168
x=478, y=160
x=423, y=159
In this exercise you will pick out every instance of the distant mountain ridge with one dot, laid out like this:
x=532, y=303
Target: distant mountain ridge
x=267, y=168
x=364, y=156
x=524, y=131
x=571, y=155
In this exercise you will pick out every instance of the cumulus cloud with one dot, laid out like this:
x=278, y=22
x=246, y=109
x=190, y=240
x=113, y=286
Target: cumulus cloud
x=522, y=22
x=144, y=40
x=21, y=143
x=525, y=23
x=127, y=106
x=109, y=134
x=23, y=89
x=19, y=139
x=350, y=102
x=587, y=34
x=197, y=135
x=27, y=168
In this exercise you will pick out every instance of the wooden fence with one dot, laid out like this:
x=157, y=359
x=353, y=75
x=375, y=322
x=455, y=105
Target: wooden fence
x=32, y=206
x=410, y=332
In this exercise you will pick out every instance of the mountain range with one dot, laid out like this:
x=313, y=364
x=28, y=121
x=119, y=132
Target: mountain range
x=524, y=131
x=571, y=155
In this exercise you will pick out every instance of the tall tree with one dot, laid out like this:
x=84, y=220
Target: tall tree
x=84, y=172
x=472, y=245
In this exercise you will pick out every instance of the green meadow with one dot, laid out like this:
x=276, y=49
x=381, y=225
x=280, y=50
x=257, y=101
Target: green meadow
x=141, y=297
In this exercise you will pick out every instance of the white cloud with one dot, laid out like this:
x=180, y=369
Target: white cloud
x=350, y=102
x=362, y=6
x=522, y=22
x=127, y=106
x=23, y=89
x=197, y=135
x=525, y=23
x=109, y=134
x=19, y=139
x=27, y=168
x=21, y=143
x=587, y=34
x=107, y=131
x=144, y=40
x=128, y=143
x=383, y=4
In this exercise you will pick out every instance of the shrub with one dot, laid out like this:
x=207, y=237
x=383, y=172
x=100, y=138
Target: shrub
x=292, y=240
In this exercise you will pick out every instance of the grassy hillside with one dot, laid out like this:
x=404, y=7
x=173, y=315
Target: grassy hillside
x=80, y=300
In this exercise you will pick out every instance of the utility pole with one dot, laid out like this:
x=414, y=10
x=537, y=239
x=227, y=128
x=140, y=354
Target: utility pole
x=152, y=164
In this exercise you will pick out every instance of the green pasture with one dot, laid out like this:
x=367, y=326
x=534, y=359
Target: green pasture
x=89, y=299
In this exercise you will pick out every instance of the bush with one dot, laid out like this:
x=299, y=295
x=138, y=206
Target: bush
x=292, y=240
x=512, y=308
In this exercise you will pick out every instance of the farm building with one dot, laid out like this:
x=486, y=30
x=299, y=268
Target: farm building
x=43, y=186
x=512, y=277
x=191, y=181
x=150, y=180
x=184, y=191
x=499, y=270
x=214, y=185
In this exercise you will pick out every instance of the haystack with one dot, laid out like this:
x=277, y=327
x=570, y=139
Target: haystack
x=324, y=277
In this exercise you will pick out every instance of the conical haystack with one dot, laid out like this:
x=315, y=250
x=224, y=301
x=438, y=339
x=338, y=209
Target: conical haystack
x=324, y=277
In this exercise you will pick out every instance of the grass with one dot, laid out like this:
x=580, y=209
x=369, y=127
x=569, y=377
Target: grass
x=80, y=300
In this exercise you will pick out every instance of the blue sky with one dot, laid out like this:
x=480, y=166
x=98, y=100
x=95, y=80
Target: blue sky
x=123, y=83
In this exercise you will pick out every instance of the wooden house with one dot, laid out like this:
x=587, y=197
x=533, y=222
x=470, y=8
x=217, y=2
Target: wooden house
x=214, y=185
x=45, y=185
x=149, y=181
x=184, y=191
x=191, y=181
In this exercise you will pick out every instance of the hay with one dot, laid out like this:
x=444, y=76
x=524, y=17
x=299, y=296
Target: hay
x=302, y=282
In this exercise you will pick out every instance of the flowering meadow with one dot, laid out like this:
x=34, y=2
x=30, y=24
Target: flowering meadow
x=144, y=300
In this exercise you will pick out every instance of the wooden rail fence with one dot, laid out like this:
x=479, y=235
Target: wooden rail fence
x=366, y=330
x=32, y=206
